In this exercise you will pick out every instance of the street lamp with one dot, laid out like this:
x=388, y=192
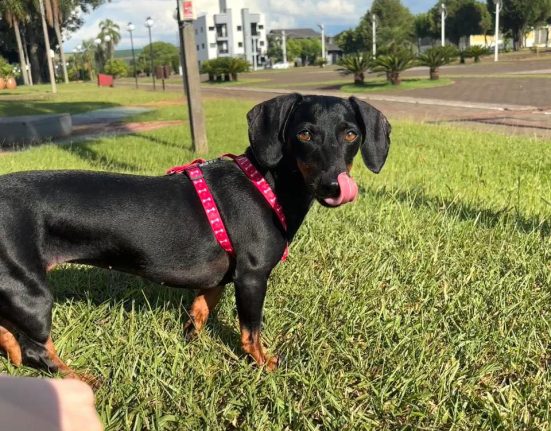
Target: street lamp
x=130, y=28
x=322, y=28
x=374, y=28
x=149, y=23
x=444, y=15
x=499, y=5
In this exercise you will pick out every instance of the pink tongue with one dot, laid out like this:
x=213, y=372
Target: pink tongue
x=349, y=191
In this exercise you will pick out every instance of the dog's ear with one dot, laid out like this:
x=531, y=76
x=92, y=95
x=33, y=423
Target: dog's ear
x=267, y=123
x=376, y=134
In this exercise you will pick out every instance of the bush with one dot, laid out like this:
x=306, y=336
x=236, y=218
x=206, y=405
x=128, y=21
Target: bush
x=476, y=52
x=394, y=64
x=6, y=69
x=117, y=68
x=357, y=65
x=225, y=68
x=436, y=57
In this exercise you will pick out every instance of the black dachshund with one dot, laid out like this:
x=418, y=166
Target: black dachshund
x=156, y=227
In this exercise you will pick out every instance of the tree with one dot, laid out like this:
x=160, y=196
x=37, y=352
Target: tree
x=357, y=65
x=434, y=58
x=54, y=16
x=164, y=54
x=517, y=16
x=13, y=12
x=464, y=18
x=394, y=64
x=32, y=35
x=110, y=37
x=395, y=24
x=305, y=49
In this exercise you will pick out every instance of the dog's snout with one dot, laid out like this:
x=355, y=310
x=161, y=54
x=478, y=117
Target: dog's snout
x=330, y=189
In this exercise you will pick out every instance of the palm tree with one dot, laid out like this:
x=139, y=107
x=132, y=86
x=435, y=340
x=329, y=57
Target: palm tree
x=13, y=11
x=394, y=64
x=54, y=17
x=110, y=34
x=434, y=58
x=355, y=65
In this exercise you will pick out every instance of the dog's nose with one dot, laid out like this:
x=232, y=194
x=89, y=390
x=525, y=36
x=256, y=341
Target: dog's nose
x=331, y=189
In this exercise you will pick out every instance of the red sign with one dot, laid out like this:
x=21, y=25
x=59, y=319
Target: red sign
x=105, y=80
x=186, y=10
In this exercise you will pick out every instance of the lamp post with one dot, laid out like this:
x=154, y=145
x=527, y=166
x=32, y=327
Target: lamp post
x=149, y=23
x=322, y=28
x=130, y=28
x=444, y=14
x=499, y=5
x=284, y=46
x=374, y=28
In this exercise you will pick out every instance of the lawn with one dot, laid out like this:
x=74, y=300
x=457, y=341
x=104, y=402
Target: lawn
x=424, y=305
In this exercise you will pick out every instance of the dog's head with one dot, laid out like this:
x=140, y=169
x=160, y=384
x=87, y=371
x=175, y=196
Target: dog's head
x=322, y=134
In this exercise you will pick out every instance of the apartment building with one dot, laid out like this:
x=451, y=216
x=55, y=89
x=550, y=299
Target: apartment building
x=232, y=31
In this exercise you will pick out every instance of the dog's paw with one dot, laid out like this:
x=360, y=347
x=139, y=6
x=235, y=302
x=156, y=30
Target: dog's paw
x=190, y=332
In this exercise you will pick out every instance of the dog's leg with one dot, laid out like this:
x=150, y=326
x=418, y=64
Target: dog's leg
x=250, y=291
x=11, y=346
x=202, y=306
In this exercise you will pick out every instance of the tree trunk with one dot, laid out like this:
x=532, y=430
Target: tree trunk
x=395, y=78
x=61, y=51
x=27, y=62
x=359, y=78
x=434, y=73
x=234, y=76
x=22, y=61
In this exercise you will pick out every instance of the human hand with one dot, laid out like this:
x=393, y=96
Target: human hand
x=47, y=405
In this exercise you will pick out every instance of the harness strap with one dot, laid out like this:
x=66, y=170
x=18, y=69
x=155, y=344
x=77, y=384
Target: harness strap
x=265, y=190
x=195, y=174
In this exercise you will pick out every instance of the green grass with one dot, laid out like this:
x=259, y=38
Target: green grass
x=424, y=305
x=75, y=98
x=377, y=86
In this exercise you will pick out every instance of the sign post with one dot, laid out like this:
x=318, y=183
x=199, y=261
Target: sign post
x=191, y=76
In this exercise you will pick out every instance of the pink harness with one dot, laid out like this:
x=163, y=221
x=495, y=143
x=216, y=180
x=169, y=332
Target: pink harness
x=195, y=174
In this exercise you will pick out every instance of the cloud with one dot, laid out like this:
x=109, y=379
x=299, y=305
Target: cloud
x=336, y=14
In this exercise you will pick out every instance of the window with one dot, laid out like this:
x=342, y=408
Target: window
x=260, y=27
x=197, y=47
x=238, y=28
x=240, y=44
x=261, y=43
x=221, y=30
x=203, y=46
x=201, y=29
x=211, y=28
x=212, y=45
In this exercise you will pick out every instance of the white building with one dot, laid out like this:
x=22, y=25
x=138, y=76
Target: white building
x=231, y=32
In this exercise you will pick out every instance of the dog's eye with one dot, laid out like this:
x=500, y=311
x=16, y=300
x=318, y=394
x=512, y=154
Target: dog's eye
x=304, y=136
x=350, y=136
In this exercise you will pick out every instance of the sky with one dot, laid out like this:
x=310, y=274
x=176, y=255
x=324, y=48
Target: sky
x=337, y=15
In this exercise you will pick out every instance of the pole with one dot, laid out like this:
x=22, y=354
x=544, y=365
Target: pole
x=322, y=41
x=284, y=46
x=496, y=41
x=134, y=58
x=443, y=7
x=192, y=85
x=254, y=54
x=374, y=21
x=47, y=43
x=151, y=59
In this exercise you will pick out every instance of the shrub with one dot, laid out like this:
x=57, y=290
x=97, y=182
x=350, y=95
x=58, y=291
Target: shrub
x=117, y=68
x=6, y=69
x=356, y=65
x=394, y=64
x=476, y=52
x=226, y=68
x=436, y=57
